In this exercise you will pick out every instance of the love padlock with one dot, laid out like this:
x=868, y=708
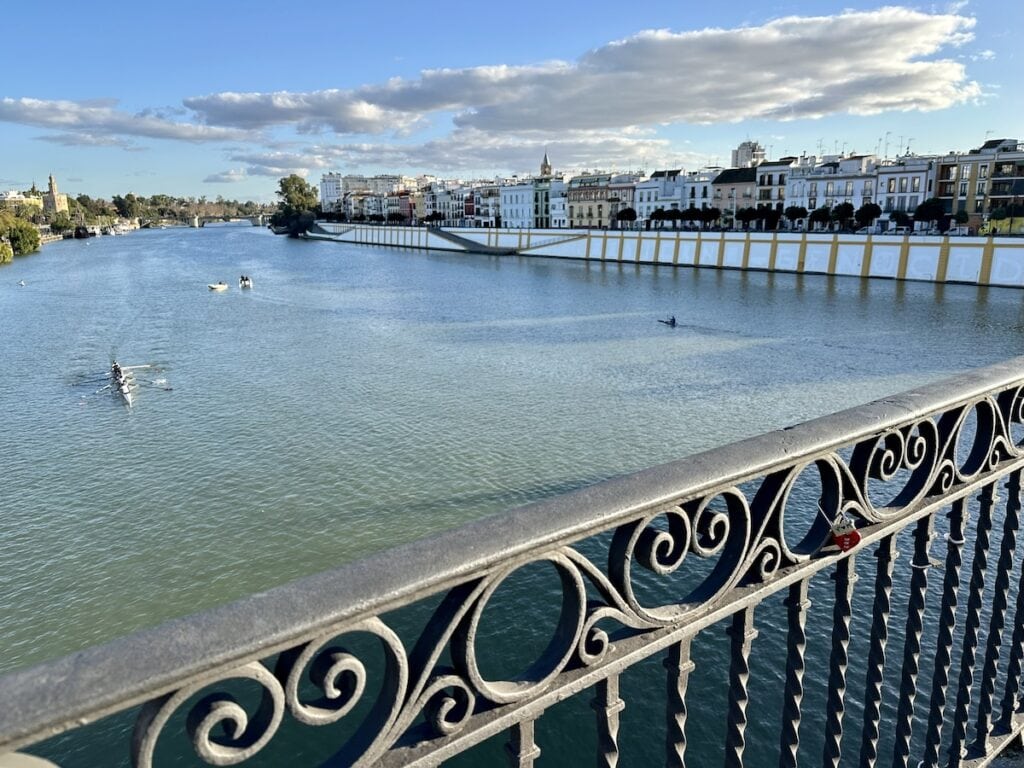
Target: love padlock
x=845, y=534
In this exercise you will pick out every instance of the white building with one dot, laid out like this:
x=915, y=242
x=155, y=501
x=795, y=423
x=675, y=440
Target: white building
x=516, y=204
x=747, y=154
x=486, y=205
x=558, y=199
x=696, y=188
x=772, y=176
x=662, y=191
x=331, y=191
x=905, y=183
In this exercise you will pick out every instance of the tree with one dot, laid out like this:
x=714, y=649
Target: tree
x=795, y=213
x=867, y=213
x=771, y=217
x=961, y=217
x=842, y=214
x=821, y=215
x=295, y=207
x=931, y=210
x=899, y=218
x=6, y=252
x=746, y=215
x=23, y=237
x=710, y=215
x=127, y=207
x=626, y=214
x=395, y=217
x=61, y=222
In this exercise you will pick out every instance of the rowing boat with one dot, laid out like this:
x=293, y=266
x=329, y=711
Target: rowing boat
x=122, y=383
x=217, y=286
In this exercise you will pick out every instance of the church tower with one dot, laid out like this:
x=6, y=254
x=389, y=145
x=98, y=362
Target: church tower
x=53, y=187
x=545, y=166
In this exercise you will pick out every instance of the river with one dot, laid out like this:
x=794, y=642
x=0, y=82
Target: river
x=359, y=397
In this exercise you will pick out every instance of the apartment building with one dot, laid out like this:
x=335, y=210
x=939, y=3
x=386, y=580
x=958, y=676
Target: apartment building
x=587, y=199
x=904, y=183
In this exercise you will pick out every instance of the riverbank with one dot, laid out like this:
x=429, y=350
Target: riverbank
x=986, y=261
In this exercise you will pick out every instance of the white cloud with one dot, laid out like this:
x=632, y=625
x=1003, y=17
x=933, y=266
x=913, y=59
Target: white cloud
x=473, y=151
x=226, y=177
x=88, y=140
x=96, y=119
x=793, y=67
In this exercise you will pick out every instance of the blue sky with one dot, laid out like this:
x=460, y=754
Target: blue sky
x=208, y=99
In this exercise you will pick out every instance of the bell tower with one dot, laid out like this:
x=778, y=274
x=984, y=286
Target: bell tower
x=545, y=166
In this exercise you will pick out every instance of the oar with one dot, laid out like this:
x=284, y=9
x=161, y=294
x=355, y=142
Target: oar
x=101, y=389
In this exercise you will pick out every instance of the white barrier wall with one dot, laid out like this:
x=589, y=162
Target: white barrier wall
x=977, y=260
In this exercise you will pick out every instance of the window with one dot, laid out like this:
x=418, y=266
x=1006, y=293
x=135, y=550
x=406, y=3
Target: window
x=830, y=188
x=782, y=179
x=892, y=185
x=965, y=171
x=915, y=184
x=913, y=202
x=849, y=189
x=983, y=171
x=963, y=189
x=903, y=184
x=981, y=189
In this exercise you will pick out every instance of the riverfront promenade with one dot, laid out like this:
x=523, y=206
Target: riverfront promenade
x=990, y=261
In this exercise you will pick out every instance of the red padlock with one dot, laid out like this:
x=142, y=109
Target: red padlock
x=844, y=533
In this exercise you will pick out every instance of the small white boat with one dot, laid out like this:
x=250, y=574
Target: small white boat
x=21, y=283
x=245, y=282
x=217, y=286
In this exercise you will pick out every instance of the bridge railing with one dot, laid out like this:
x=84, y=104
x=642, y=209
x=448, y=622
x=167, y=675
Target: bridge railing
x=385, y=662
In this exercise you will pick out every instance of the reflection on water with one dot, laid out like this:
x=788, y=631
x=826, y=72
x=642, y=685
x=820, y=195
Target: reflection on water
x=361, y=397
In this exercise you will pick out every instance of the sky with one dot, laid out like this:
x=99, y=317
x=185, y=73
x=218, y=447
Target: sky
x=209, y=99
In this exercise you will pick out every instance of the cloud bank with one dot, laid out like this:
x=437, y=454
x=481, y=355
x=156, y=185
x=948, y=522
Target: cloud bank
x=606, y=107
x=796, y=67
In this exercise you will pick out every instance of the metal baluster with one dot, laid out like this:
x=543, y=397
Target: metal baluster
x=607, y=704
x=845, y=577
x=912, y=642
x=522, y=750
x=679, y=666
x=1013, y=672
x=947, y=622
x=742, y=633
x=975, y=591
x=886, y=554
x=796, y=605
x=998, y=619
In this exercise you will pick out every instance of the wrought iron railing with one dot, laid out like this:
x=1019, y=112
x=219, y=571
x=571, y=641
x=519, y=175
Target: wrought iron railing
x=644, y=565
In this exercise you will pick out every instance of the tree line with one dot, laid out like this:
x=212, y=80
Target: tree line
x=19, y=233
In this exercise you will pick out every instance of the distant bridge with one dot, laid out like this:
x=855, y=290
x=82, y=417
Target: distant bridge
x=257, y=220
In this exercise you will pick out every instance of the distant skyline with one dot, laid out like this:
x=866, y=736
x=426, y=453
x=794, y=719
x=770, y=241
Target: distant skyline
x=200, y=99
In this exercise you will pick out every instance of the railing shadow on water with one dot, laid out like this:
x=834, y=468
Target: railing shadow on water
x=695, y=613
